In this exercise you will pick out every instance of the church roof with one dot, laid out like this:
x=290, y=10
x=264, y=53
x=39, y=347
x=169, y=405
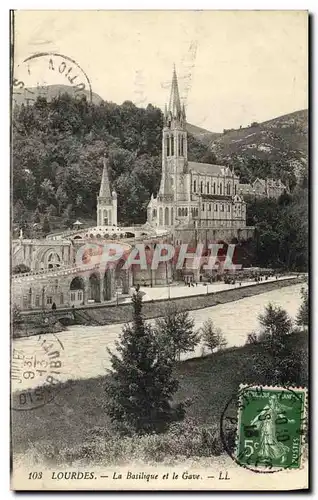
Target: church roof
x=206, y=168
x=104, y=191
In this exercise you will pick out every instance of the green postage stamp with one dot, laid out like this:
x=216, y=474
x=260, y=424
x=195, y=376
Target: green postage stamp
x=271, y=426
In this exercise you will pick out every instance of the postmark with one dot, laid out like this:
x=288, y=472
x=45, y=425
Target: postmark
x=34, y=75
x=263, y=427
x=36, y=374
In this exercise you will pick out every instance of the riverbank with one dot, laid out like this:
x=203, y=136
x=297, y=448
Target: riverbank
x=85, y=347
x=75, y=427
x=112, y=313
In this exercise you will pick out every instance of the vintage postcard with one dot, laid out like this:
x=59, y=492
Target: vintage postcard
x=159, y=250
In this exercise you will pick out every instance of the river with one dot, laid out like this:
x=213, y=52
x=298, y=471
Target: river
x=84, y=348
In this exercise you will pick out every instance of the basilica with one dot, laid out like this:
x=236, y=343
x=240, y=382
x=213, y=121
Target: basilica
x=192, y=193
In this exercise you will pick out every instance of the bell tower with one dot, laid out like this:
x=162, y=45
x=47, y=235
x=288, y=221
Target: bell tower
x=174, y=143
x=106, y=201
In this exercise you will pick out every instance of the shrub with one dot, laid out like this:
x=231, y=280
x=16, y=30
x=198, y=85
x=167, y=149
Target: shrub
x=182, y=441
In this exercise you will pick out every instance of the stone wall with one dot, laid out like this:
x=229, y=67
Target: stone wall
x=109, y=314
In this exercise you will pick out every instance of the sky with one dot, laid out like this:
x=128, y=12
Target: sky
x=234, y=67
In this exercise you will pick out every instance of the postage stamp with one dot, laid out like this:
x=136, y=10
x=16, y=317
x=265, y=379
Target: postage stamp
x=271, y=424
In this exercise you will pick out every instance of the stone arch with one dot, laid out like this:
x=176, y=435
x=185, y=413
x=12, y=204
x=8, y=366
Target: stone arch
x=40, y=258
x=77, y=291
x=107, y=285
x=94, y=287
x=53, y=260
x=166, y=216
x=78, y=237
x=160, y=216
x=121, y=275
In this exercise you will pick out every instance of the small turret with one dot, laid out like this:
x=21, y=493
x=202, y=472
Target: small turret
x=114, y=195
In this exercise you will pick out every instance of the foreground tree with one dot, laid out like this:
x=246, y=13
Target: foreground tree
x=176, y=330
x=279, y=359
x=141, y=383
x=212, y=336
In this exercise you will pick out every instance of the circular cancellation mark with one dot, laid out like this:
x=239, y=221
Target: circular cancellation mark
x=36, y=374
x=38, y=72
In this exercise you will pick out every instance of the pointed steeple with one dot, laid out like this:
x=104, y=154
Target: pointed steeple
x=174, y=103
x=104, y=191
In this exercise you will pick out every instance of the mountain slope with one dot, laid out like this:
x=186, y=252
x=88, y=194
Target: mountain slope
x=201, y=134
x=22, y=96
x=282, y=139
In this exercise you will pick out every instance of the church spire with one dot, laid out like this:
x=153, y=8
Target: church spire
x=104, y=191
x=174, y=103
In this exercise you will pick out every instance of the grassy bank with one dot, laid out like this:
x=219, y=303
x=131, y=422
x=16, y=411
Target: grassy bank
x=75, y=428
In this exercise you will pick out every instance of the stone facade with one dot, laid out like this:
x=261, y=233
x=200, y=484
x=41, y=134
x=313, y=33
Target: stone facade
x=42, y=254
x=190, y=191
x=106, y=202
x=263, y=188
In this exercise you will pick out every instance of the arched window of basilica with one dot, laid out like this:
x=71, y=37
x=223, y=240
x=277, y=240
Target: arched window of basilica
x=172, y=145
x=182, y=146
x=194, y=186
x=228, y=188
x=179, y=212
x=186, y=212
x=235, y=189
x=221, y=188
x=167, y=145
x=214, y=188
x=208, y=188
x=201, y=187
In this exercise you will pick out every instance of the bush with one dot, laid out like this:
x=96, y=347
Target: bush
x=184, y=440
x=252, y=338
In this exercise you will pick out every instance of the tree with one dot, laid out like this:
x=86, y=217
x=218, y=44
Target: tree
x=46, y=226
x=68, y=217
x=20, y=268
x=176, y=329
x=36, y=216
x=303, y=313
x=275, y=323
x=141, y=382
x=51, y=210
x=212, y=336
x=278, y=362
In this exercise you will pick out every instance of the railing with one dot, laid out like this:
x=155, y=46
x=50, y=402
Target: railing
x=52, y=273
